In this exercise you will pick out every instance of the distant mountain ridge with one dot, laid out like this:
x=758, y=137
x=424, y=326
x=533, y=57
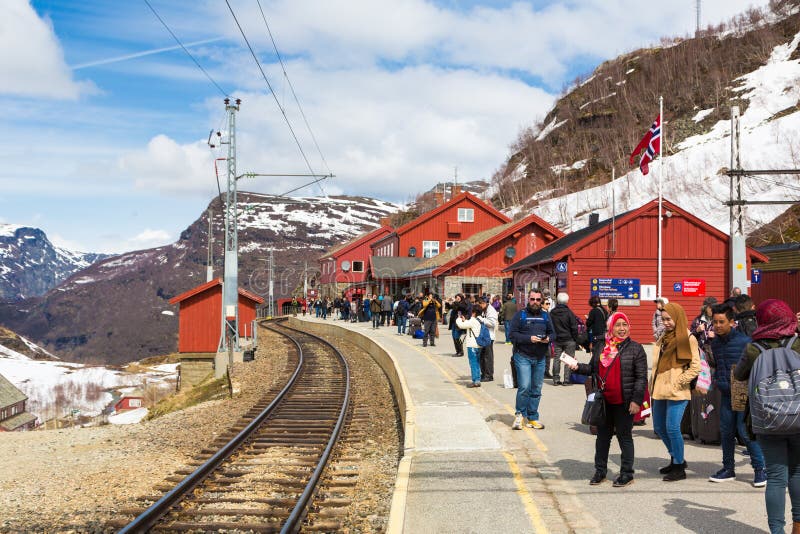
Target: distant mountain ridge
x=116, y=310
x=30, y=265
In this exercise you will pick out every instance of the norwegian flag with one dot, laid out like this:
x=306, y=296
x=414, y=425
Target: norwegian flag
x=650, y=143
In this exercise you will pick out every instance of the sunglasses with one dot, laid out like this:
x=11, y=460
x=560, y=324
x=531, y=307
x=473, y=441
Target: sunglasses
x=537, y=299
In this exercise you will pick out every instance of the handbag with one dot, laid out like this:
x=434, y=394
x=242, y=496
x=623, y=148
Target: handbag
x=739, y=393
x=594, y=409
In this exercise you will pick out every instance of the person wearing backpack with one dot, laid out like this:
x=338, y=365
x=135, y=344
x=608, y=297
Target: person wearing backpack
x=473, y=329
x=775, y=340
x=727, y=347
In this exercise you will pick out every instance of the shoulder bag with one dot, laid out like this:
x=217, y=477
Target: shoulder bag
x=594, y=410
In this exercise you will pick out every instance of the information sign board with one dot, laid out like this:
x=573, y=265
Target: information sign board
x=617, y=288
x=694, y=287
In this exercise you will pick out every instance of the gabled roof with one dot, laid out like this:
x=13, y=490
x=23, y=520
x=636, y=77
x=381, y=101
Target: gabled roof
x=208, y=285
x=458, y=253
x=16, y=421
x=572, y=242
x=436, y=211
x=356, y=241
x=782, y=257
x=9, y=393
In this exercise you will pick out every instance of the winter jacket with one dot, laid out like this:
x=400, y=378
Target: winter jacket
x=375, y=306
x=633, y=368
x=565, y=323
x=386, y=303
x=455, y=308
x=401, y=310
x=746, y=322
x=727, y=351
x=509, y=310
x=527, y=323
x=674, y=383
x=596, y=325
x=473, y=328
x=430, y=309
x=490, y=320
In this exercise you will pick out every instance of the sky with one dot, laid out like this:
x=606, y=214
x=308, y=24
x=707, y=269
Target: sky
x=106, y=119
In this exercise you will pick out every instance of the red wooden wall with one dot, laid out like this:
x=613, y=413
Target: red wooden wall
x=784, y=285
x=200, y=319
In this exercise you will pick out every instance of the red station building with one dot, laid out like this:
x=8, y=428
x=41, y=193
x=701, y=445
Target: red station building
x=348, y=264
x=780, y=278
x=200, y=320
x=618, y=258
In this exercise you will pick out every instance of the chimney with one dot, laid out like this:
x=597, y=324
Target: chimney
x=455, y=191
x=385, y=221
x=594, y=218
x=438, y=199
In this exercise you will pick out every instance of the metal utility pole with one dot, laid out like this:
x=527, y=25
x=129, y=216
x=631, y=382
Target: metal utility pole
x=305, y=279
x=738, y=248
x=229, y=337
x=697, y=29
x=270, y=306
x=210, y=255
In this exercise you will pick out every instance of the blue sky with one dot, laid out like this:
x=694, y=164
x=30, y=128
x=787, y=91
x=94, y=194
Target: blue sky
x=105, y=141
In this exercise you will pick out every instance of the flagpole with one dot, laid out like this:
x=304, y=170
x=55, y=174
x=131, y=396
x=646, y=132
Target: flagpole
x=660, y=178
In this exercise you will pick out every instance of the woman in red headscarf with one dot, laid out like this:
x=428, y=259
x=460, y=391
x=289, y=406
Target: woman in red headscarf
x=621, y=370
x=777, y=326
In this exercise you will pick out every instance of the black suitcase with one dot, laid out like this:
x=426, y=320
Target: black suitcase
x=705, y=416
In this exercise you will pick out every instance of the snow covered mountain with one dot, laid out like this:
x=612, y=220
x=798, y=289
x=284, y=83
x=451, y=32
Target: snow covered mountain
x=30, y=265
x=117, y=310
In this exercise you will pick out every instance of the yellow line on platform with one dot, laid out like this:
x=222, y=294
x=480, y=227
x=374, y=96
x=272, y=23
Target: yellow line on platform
x=531, y=432
x=525, y=496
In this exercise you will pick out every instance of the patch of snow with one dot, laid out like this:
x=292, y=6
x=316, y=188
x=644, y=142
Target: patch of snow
x=84, y=280
x=629, y=71
x=702, y=114
x=549, y=128
x=609, y=95
x=128, y=417
x=169, y=312
x=8, y=230
x=14, y=355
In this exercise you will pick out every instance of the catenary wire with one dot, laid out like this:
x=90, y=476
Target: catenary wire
x=776, y=182
x=269, y=86
x=291, y=87
x=221, y=90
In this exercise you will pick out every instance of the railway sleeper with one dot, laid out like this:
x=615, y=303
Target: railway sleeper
x=216, y=526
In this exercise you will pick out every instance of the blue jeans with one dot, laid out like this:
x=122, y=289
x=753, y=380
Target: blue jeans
x=530, y=376
x=667, y=415
x=507, y=326
x=474, y=364
x=728, y=428
x=782, y=455
x=402, y=320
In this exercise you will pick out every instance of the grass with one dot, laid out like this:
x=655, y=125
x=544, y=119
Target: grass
x=207, y=390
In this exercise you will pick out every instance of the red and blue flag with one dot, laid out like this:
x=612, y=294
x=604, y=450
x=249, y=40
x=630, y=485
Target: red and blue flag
x=650, y=143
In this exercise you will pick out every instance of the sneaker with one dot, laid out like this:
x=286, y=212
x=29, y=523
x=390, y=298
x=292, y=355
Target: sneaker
x=622, y=481
x=723, y=475
x=556, y=382
x=534, y=424
x=474, y=385
x=760, y=478
x=517, y=422
x=598, y=478
x=667, y=469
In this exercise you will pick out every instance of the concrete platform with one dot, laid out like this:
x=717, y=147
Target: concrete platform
x=465, y=470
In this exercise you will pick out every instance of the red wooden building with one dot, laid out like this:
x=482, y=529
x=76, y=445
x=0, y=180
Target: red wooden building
x=129, y=402
x=619, y=258
x=780, y=278
x=476, y=264
x=200, y=316
x=440, y=228
x=348, y=264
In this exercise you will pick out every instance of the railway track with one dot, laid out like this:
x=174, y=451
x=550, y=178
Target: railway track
x=266, y=476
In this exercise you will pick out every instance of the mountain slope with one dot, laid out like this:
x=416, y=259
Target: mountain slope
x=561, y=169
x=117, y=310
x=30, y=265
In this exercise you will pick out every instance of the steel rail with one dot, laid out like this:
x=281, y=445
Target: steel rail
x=147, y=519
x=293, y=522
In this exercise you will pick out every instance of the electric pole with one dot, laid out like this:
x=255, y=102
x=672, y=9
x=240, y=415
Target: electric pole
x=210, y=255
x=270, y=308
x=738, y=248
x=229, y=337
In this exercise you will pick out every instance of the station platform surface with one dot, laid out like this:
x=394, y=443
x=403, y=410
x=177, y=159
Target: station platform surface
x=466, y=471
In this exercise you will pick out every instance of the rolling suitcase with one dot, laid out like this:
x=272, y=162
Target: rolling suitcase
x=705, y=416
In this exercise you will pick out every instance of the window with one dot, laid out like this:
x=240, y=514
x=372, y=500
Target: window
x=450, y=244
x=14, y=410
x=358, y=266
x=135, y=403
x=466, y=215
x=472, y=289
x=430, y=249
x=2, y=414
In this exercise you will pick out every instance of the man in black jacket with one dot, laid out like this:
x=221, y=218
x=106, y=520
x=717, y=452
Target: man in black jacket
x=565, y=325
x=745, y=315
x=531, y=331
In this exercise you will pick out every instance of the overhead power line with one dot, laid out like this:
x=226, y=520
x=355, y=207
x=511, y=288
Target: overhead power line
x=286, y=75
x=269, y=86
x=199, y=66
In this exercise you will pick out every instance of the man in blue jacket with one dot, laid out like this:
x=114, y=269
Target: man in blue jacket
x=727, y=347
x=530, y=331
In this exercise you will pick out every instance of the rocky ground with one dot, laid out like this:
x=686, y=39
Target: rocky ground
x=69, y=479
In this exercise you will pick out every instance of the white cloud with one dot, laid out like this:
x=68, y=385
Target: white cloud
x=166, y=166
x=151, y=238
x=33, y=62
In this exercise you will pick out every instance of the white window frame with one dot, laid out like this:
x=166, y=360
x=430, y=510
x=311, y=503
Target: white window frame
x=428, y=250
x=466, y=214
x=450, y=244
x=358, y=270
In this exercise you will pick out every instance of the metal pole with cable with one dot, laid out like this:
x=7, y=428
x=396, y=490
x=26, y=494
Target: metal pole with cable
x=229, y=335
x=660, y=180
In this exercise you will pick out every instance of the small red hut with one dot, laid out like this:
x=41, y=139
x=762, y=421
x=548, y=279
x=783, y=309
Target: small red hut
x=200, y=316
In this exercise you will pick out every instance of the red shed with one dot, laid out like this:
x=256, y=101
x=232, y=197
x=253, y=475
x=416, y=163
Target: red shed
x=200, y=316
x=780, y=278
x=129, y=402
x=619, y=258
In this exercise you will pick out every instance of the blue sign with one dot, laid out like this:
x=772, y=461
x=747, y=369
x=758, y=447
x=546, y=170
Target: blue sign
x=561, y=267
x=755, y=276
x=616, y=288
x=677, y=287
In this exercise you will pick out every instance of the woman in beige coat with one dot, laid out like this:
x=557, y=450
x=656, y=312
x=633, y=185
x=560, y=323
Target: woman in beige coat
x=677, y=362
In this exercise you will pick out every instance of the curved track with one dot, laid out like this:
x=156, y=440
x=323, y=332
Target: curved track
x=263, y=480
